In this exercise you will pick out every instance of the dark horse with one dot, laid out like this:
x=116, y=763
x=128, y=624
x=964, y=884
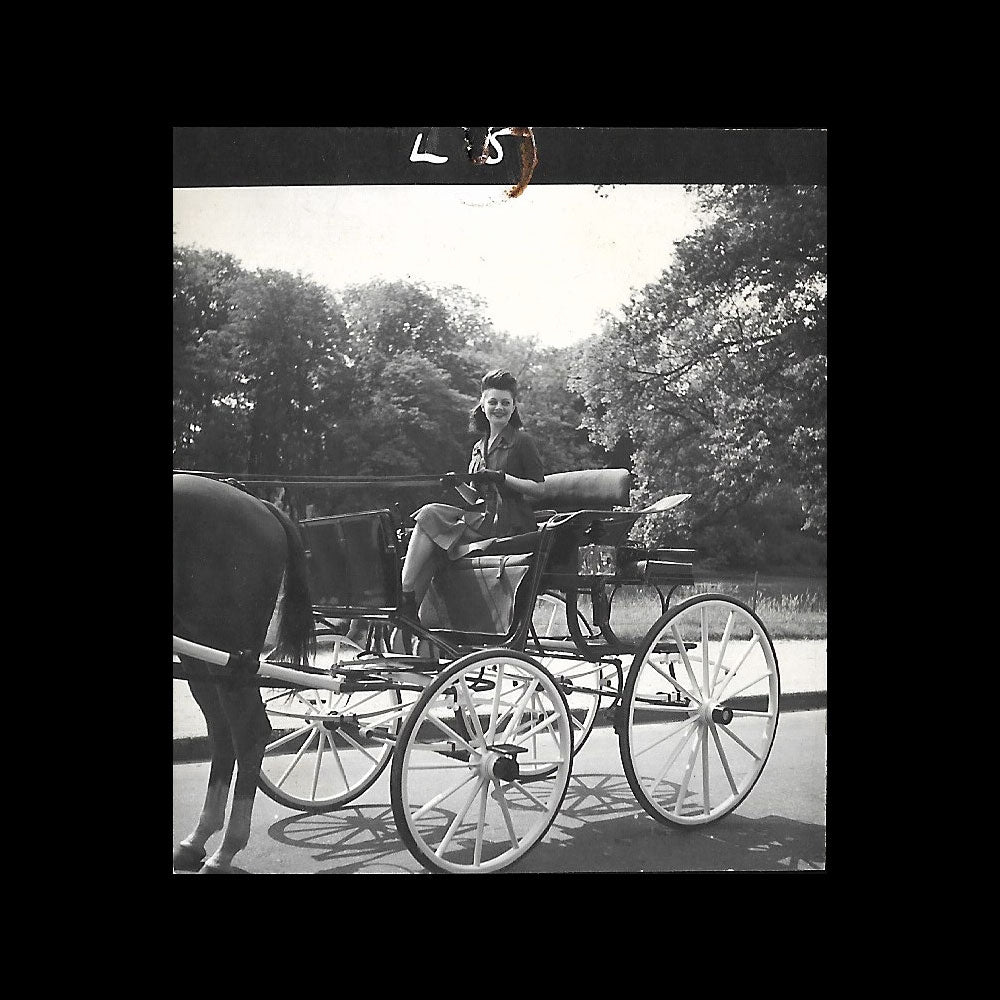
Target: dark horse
x=231, y=552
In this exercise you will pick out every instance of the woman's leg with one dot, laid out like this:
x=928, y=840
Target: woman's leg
x=418, y=564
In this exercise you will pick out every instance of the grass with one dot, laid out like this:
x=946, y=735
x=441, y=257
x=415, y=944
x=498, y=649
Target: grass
x=797, y=615
x=790, y=608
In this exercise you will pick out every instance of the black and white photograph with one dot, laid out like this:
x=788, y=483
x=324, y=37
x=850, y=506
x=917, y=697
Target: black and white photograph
x=499, y=500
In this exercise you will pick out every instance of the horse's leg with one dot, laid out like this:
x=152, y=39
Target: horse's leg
x=250, y=733
x=190, y=853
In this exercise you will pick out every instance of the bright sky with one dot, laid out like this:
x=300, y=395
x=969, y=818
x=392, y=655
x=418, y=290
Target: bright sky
x=546, y=263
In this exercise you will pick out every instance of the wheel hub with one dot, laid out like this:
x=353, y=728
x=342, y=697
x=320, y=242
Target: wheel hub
x=501, y=761
x=723, y=715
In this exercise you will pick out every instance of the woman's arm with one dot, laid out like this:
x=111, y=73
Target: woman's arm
x=527, y=487
x=525, y=463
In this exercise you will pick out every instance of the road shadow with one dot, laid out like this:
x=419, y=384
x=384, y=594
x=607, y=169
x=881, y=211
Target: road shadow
x=355, y=837
x=600, y=828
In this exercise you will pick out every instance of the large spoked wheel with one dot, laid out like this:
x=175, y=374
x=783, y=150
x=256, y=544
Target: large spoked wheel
x=579, y=679
x=699, y=711
x=460, y=797
x=318, y=759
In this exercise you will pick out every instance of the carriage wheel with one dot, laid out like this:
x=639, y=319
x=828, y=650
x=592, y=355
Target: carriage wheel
x=459, y=797
x=315, y=762
x=549, y=620
x=699, y=711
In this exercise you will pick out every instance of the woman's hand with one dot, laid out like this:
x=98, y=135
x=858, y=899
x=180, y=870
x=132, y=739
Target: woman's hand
x=488, y=477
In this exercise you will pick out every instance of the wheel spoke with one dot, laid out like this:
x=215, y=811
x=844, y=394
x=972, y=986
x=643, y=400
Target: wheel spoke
x=496, y=705
x=546, y=723
x=687, y=662
x=302, y=749
x=667, y=677
x=735, y=670
x=336, y=757
x=324, y=736
x=477, y=854
x=663, y=739
x=733, y=736
x=287, y=738
x=502, y=800
x=723, y=758
x=519, y=707
x=706, y=801
x=459, y=818
x=688, y=771
x=749, y=684
x=722, y=650
x=467, y=698
x=673, y=756
x=357, y=746
x=704, y=645
x=450, y=733
x=441, y=796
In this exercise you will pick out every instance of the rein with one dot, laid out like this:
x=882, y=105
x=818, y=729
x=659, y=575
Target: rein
x=265, y=479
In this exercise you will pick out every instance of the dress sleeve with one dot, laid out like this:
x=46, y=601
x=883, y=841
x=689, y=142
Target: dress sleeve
x=527, y=462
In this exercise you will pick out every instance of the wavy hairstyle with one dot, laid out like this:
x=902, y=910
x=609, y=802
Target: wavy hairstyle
x=499, y=378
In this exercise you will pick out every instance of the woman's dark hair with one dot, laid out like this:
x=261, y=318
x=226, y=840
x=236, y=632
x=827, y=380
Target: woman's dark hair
x=499, y=378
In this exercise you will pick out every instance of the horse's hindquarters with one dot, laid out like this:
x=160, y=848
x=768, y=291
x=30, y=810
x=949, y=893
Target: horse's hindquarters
x=228, y=560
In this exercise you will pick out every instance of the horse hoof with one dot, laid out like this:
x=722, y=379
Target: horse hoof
x=187, y=859
x=215, y=870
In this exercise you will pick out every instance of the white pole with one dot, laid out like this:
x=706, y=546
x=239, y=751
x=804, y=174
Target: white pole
x=264, y=669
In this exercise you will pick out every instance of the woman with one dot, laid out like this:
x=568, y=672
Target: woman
x=508, y=475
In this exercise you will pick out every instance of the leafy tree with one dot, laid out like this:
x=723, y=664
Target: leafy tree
x=288, y=339
x=202, y=369
x=259, y=369
x=716, y=373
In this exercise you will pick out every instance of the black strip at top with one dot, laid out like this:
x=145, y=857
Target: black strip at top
x=245, y=156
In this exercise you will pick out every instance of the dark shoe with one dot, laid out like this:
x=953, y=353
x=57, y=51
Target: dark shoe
x=408, y=608
x=406, y=615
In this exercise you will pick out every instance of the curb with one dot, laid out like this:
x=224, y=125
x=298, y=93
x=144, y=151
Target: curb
x=189, y=749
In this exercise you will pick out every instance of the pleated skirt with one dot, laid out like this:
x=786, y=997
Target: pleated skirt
x=451, y=528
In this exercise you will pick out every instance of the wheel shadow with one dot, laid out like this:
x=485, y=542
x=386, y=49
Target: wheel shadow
x=600, y=828
x=357, y=838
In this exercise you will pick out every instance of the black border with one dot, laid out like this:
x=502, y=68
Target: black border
x=219, y=156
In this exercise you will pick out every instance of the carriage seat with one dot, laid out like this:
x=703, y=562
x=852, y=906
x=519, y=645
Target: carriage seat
x=476, y=594
x=586, y=489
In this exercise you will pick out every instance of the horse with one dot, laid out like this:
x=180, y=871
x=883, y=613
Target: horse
x=231, y=554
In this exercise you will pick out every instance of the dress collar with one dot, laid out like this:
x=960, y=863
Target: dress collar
x=503, y=440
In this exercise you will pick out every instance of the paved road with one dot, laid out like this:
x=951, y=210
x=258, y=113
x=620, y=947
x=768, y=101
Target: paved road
x=601, y=828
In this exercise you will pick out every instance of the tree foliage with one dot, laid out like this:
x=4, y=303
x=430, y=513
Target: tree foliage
x=275, y=374
x=716, y=373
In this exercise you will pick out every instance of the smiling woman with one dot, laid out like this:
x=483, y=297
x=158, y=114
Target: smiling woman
x=507, y=475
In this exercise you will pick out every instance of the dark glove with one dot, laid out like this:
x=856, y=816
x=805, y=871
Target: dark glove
x=488, y=477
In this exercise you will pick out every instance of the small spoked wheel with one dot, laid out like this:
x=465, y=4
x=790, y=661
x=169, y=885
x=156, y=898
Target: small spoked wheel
x=318, y=758
x=588, y=686
x=699, y=710
x=460, y=795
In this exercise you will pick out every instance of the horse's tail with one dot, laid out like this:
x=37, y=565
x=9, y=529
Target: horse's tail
x=296, y=638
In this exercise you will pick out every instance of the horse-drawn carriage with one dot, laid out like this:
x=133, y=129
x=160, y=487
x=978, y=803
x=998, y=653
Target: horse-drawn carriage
x=523, y=647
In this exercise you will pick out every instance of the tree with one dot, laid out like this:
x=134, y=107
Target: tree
x=202, y=305
x=259, y=369
x=717, y=372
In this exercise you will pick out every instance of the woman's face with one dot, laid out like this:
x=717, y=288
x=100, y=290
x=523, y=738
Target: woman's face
x=498, y=405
